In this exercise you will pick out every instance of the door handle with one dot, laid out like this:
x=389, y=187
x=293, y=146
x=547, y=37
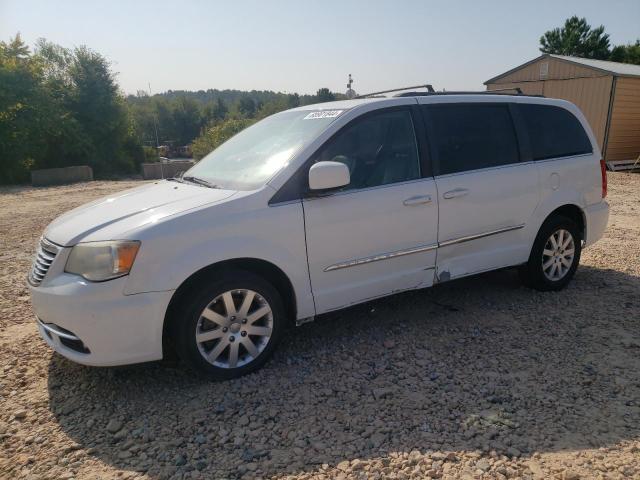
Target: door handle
x=417, y=200
x=456, y=193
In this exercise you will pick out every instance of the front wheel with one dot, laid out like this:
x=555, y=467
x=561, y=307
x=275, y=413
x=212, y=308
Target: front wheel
x=555, y=255
x=229, y=327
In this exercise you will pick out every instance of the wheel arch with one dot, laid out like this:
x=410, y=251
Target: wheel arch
x=262, y=268
x=574, y=213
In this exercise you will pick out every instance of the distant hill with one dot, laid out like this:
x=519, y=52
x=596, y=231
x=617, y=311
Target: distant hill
x=231, y=97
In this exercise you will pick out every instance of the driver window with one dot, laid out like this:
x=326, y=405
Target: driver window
x=378, y=149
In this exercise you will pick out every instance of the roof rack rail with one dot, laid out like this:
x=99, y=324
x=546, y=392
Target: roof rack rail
x=517, y=89
x=429, y=88
x=500, y=91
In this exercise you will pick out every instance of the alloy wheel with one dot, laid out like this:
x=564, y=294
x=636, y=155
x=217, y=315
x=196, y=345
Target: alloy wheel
x=234, y=328
x=558, y=255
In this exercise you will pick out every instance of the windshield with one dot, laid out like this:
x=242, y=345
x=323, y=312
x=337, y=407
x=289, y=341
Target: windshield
x=250, y=158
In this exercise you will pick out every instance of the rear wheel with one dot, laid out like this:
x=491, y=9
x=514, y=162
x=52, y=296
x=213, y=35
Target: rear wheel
x=229, y=327
x=555, y=255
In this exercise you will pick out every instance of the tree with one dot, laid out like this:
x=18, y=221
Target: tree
x=22, y=116
x=324, y=95
x=186, y=119
x=629, y=53
x=215, y=136
x=576, y=38
x=246, y=107
x=98, y=107
x=293, y=100
x=62, y=107
x=214, y=112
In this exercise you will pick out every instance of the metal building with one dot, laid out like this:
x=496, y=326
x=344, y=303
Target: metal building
x=608, y=93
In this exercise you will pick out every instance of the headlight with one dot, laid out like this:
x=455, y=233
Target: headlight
x=99, y=261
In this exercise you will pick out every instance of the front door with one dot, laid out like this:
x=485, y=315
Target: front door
x=377, y=235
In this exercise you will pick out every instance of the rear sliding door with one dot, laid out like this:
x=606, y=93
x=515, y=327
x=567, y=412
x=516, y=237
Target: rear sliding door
x=486, y=193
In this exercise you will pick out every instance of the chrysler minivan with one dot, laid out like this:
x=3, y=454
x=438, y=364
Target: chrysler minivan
x=315, y=209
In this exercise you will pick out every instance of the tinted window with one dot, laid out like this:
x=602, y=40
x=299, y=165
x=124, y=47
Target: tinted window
x=554, y=132
x=472, y=136
x=378, y=149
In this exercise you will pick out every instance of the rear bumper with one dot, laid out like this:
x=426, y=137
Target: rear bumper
x=597, y=217
x=96, y=324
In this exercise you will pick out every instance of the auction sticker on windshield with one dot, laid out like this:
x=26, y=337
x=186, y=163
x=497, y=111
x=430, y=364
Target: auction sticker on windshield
x=323, y=114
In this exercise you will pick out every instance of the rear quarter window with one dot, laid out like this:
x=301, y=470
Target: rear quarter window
x=554, y=132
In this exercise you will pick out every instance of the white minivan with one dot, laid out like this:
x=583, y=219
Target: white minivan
x=315, y=209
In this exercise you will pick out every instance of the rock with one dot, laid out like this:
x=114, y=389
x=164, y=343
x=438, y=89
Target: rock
x=114, y=425
x=20, y=414
x=389, y=344
x=570, y=475
x=180, y=460
x=513, y=452
x=377, y=439
x=535, y=468
x=483, y=464
x=380, y=393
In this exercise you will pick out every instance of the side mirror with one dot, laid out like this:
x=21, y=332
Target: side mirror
x=328, y=175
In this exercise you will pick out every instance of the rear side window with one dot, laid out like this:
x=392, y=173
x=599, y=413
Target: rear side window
x=554, y=132
x=472, y=136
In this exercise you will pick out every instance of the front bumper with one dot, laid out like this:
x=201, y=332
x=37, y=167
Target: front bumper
x=112, y=328
x=597, y=217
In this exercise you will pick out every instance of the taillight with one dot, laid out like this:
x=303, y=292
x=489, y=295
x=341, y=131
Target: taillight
x=603, y=170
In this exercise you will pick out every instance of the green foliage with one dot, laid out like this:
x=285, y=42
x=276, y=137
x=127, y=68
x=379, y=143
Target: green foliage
x=324, y=95
x=576, y=38
x=629, y=53
x=150, y=154
x=227, y=109
x=216, y=135
x=247, y=107
x=214, y=111
x=21, y=115
x=61, y=107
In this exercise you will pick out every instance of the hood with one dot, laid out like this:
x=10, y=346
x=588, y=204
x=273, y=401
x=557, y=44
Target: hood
x=111, y=217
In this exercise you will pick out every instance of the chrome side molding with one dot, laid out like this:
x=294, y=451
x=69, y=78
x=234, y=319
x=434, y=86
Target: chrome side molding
x=382, y=256
x=468, y=238
x=420, y=249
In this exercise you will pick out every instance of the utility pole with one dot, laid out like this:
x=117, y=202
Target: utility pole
x=155, y=126
x=155, y=121
x=350, y=92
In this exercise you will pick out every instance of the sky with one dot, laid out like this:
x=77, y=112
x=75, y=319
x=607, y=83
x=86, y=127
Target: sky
x=300, y=46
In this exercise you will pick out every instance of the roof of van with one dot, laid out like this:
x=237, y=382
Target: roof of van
x=450, y=96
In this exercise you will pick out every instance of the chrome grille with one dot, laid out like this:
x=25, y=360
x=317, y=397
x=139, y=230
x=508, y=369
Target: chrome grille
x=45, y=254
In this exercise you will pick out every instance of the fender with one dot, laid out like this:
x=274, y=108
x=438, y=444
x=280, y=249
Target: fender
x=173, y=251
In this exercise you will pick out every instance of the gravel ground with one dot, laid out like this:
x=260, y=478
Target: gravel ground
x=477, y=378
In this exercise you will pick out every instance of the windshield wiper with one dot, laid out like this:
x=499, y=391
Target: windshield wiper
x=199, y=181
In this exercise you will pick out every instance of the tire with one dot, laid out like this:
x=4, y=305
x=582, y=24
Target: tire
x=539, y=272
x=206, y=333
